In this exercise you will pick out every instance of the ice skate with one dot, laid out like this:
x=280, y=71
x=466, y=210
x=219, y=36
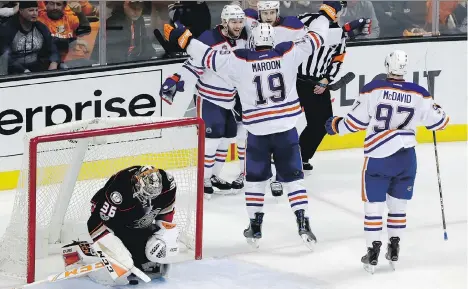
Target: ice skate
x=276, y=189
x=238, y=183
x=207, y=189
x=393, y=249
x=371, y=259
x=223, y=186
x=304, y=229
x=254, y=232
x=307, y=168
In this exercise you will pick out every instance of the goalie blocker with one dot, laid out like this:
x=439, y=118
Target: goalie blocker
x=131, y=221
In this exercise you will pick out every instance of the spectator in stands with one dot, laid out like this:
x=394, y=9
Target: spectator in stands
x=397, y=18
x=447, y=22
x=8, y=9
x=194, y=15
x=27, y=43
x=127, y=39
x=64, y=26
x=361, y=9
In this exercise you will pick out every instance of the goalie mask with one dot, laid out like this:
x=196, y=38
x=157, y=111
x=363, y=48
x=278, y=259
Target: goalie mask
x=148, y=183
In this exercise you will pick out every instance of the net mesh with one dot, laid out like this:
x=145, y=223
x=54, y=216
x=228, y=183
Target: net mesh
x=70, y=172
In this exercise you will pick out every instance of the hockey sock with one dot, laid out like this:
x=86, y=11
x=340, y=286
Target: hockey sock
x=211, y=144
x=273, y=169
x=396, y=220
x=373, y=221
x=254, y=197
x=240, y=141
x=297, y=195
x=220, y=156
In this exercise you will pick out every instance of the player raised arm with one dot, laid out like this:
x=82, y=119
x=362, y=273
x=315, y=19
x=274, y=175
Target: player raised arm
x=315, y=37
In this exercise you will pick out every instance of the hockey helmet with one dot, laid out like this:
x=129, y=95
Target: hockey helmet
x=148, y=183
x=396, y=63
x=232, y=12
x=263, y=35
x=268, y=5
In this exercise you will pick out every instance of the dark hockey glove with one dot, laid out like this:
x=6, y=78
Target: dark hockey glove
x=331, y=126
x=170, y=87
x=358, y=26
x=179, y=34
x=330, y=9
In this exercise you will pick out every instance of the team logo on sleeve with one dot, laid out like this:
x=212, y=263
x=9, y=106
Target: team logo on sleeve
x=116, y=198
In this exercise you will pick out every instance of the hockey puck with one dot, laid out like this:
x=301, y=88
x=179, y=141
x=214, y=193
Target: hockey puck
x=133, y=282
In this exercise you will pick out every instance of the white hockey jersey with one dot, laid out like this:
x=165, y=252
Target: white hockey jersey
x=266, y=80
x=389, y=110
x=287, y=28
x=210, y=86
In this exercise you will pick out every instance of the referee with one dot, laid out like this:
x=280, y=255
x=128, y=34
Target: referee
x=313, y=77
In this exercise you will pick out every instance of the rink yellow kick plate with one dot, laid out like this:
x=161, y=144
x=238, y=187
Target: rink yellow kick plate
x=105, y=168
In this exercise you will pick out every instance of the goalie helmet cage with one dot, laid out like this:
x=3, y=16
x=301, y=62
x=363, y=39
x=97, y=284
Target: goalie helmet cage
x=89, y=135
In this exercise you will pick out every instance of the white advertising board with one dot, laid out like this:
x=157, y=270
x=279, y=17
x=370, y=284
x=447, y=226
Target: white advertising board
x=33, y=104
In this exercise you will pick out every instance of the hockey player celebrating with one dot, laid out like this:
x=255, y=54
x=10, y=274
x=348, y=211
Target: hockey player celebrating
x=131, y=221
x=215, y=97
x=266, y=80
x=389, y=111
x=287, y=28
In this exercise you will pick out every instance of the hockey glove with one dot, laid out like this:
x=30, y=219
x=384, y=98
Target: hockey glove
x=358, y=26
x=330, y=9
x=179, y=34
x=331, y=125
x=170, y=87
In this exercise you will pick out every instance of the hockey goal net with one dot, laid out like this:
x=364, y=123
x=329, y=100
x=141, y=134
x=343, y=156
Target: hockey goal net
x=65, y=165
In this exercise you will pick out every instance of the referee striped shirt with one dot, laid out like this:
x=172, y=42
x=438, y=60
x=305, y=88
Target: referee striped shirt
x=326, y=62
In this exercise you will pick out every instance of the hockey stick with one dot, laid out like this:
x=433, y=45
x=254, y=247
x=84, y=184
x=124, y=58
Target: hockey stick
x=70, y=274
x=434, y=140
x=347, y=78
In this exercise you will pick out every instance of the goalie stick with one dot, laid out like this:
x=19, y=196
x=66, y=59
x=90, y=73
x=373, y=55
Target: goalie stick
x=114, y=268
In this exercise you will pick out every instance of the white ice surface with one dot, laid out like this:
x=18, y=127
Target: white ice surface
x=336, y=212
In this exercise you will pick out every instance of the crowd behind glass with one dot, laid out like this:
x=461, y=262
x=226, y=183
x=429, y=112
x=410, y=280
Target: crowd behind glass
x=37, y=36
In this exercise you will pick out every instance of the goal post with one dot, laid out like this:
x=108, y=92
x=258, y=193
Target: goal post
x=67, y=165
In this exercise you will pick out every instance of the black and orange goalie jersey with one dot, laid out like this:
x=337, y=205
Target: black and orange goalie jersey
x=116, y=207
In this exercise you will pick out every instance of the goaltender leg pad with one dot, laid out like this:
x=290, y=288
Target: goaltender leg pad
x=135, y=241
x=287, y=156
x=258, y=154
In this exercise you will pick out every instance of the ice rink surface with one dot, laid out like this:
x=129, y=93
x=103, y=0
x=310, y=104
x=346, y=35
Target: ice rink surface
x=336, y=213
